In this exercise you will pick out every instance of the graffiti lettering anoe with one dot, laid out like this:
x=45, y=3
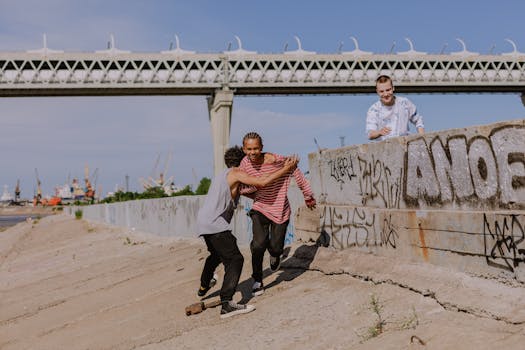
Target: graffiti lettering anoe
x=480, y=168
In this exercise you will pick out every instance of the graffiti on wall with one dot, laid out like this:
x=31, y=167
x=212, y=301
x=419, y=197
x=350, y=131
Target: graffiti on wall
x=504, y=241
x=342, y=169
x=376, y=180
x=358, y=227
x=481, y=169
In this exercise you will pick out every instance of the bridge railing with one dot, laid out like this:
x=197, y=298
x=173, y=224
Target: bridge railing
x=157, y=73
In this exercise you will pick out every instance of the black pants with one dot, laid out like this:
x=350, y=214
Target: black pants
x=266, y=235
x=223, y=248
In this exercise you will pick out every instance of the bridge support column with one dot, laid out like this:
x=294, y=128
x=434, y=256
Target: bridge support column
x=523, y=98
x=220, y=110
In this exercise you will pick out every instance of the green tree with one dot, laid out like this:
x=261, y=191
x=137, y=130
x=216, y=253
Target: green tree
x=204, y=186
x=186, y=191
x=153, y=192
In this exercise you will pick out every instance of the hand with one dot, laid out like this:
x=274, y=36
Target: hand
x=374, y=134
x=310, y=202
x=384, y=131
x=290, y=163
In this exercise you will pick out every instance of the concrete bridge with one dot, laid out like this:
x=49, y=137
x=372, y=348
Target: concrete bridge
x=220, y=76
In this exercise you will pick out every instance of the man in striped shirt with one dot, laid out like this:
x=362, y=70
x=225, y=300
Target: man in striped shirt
x=271, y=210
x=214, y=224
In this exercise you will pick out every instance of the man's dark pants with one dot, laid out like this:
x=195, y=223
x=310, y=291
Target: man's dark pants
x=266, y=235
x=223, y=248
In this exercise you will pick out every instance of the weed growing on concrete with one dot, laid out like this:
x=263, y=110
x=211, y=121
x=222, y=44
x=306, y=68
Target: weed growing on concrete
x=376, y=307
x=411, y=322
x=78, y=214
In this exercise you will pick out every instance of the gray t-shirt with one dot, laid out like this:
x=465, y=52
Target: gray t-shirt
x=217, y=212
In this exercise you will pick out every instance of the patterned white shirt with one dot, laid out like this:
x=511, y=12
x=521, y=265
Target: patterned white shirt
x=396, y=117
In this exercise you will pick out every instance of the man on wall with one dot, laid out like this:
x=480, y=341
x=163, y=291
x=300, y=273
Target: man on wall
x=389, y=117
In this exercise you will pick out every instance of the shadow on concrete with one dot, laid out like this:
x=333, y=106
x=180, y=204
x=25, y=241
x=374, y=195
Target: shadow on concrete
x=291, y=267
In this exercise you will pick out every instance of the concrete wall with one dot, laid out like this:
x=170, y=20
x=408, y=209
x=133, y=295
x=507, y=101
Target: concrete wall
x=453, y=198
x=480, y=167
x=176, y=216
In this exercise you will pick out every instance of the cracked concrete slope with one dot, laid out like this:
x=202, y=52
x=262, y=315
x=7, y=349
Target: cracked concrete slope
x=71, y=284
x=453, y=290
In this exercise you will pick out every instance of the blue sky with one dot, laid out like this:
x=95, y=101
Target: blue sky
x=124, y=135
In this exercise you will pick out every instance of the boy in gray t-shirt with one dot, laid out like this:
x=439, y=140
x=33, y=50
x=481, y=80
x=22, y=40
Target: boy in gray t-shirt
x=214, y=224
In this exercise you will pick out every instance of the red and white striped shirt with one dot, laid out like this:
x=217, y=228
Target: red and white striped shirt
x=272, y=200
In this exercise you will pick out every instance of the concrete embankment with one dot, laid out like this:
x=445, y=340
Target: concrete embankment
x=424, y=250
x=72, y=284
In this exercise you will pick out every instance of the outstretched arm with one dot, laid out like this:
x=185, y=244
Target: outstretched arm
x=289, y=165
x=303, y=184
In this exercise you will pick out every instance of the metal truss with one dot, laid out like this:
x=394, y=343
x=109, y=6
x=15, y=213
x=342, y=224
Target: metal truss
x=66, y=74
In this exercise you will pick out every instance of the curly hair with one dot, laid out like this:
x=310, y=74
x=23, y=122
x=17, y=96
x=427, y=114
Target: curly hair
x=233, y=156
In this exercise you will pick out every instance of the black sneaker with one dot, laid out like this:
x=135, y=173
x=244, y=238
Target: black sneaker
x=231, y=308
x=275, y=263
x=203, y=290
x=257, y=289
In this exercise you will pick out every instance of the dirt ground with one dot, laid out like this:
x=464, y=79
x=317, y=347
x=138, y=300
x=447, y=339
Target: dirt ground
x=28, y=210
x=71, y=284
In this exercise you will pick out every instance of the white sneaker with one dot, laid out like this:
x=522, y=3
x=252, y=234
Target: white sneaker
x=231, y=308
